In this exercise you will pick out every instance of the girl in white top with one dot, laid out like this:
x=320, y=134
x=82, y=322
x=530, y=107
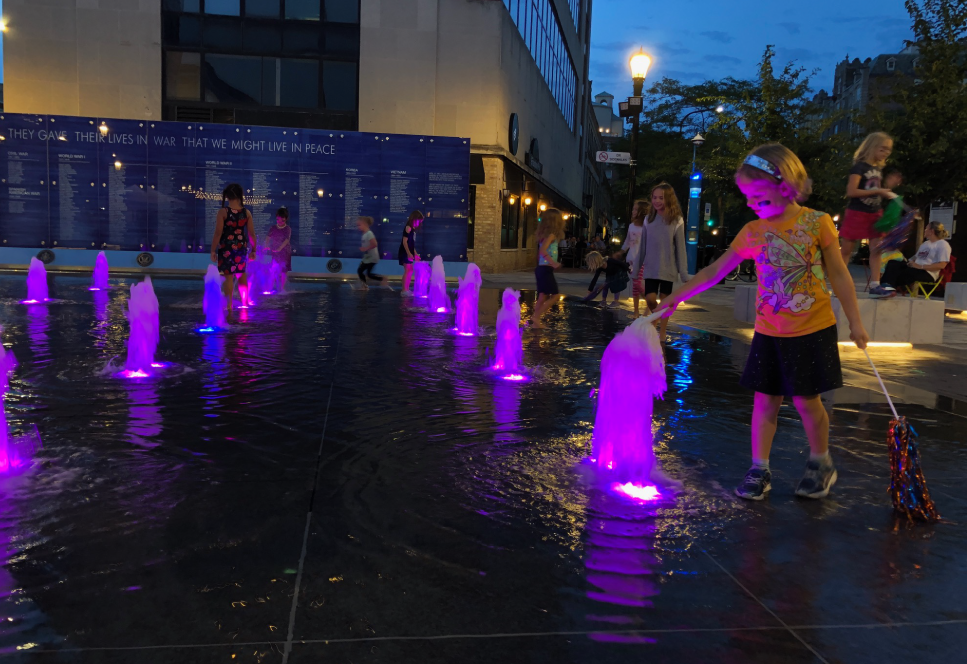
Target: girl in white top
x=663, y=248
x=632, y=245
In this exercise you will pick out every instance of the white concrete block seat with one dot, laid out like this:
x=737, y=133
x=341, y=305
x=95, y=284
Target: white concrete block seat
x=895, y=319
x=955, y=296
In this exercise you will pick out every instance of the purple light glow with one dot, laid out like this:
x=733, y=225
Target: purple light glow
x=268, y=292
x=206, y=330
x=645, y=492
x=441, y=310
x=514, y=377
x=32, y=301
x=137, y=373
x=242, y=306
x=160, y=365
x=93, y=288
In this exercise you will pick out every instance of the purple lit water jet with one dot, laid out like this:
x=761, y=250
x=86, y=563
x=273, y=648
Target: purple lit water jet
x=468, y=295
x=632, y=374
x=509, y=350
x=7, y=364
x=214, y=299
x=439, y=300
x=145, y=330
x=101, y=271
x=421, y=286
x=36, y=282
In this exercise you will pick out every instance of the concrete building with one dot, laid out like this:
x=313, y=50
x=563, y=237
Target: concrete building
x=610, y=126
x=509, y=74
x=858, y=84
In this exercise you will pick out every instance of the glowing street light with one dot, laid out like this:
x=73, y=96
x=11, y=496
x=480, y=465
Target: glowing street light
x=528, y=200
x=640, y=62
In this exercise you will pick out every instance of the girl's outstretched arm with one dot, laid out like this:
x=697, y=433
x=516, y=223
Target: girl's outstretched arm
x=702, y=281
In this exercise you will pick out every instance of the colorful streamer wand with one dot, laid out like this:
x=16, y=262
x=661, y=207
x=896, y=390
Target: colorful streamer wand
x=908, y=488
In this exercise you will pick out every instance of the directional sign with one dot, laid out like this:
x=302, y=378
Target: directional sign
x=708, y=211
x=614, y=157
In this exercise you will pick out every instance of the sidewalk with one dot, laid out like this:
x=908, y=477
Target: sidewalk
x=925, y=372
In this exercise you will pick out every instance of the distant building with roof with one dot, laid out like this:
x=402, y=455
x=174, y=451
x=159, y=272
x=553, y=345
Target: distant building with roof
x=610, y=126
x=858, y=84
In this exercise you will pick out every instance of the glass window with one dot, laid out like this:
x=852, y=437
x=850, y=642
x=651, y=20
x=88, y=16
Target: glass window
x=342, y=11
x=223, y=34
x=306, y=10
x=301, y=39
x=299, y=83
x=223, y=7
x=183, y=75
x=263, y=38
x=183, y=5
x=233, y=78
x=268, y=8
x=270, y=81
x=182, y=30
x=339, y=85
x=342, y=40
x=509, y=224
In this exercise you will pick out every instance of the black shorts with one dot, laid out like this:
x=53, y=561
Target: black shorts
x=546, y=283
x=794, y=366
x=658, y=286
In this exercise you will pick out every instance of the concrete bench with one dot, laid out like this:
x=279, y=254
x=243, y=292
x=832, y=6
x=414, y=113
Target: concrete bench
x=896, y=319
x=955, y=295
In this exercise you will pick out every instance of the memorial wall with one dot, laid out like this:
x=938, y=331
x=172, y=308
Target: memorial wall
x=131, y=185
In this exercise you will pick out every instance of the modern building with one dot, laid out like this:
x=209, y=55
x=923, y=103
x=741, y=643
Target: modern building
x=858, y=84
x=509, y=75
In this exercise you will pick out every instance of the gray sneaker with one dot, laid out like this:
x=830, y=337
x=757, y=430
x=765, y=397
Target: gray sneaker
x=756, y=485
x=818, y=479
x=883, y=291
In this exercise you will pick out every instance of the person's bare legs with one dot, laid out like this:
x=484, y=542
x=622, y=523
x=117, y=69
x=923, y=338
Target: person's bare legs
x=875, y=254
x=539, y=310
x=765, y=419
x=243, y=289
x=815, y=420
x=846, y=249
x=407, y=276
x=282, y=278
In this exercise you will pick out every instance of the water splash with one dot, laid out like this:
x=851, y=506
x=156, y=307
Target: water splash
x=145, y=330
x=509, y=349
x=623, y=441
x=439, y=300
x=257, y=273
x=7, y=364
x=36, y=282
x=101, y=271
x=214, y=300
x=421, y=287
x=468, y=295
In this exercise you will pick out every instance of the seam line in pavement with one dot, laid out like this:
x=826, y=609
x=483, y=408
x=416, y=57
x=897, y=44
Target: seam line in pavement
x=770, y=611
x=511, y=635
x=312, y=499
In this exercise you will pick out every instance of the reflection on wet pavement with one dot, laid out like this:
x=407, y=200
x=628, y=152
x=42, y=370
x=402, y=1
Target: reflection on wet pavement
x=337, y=477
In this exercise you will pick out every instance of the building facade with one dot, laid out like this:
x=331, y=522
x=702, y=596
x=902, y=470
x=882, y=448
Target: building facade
x=609, y=125
x=510, y=75
x=858, y=84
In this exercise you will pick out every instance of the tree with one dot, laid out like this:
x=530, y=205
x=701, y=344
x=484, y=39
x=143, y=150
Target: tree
x=928, y=116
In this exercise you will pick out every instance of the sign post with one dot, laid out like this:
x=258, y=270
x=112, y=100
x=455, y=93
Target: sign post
x=613, y=157
x=692, y=228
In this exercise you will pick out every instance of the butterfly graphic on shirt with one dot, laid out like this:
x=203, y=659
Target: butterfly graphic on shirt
x=787, y=267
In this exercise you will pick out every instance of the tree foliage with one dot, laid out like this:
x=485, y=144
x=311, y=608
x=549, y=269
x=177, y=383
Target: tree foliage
x=928, y=117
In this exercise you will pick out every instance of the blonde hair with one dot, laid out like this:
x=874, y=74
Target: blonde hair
x=594, y=260
x=790, y=168
x=939, y=230
x=366, y=220
x=869, y=146
x=672, y=209
x=643, y=207
x=552, y=224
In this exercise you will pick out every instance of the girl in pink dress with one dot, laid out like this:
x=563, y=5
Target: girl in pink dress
x=279, y=241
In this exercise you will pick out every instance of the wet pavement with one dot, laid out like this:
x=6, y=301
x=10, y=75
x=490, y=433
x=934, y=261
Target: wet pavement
x=336, y=478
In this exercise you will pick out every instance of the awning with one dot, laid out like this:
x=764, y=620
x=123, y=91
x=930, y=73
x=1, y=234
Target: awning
x=477, y=169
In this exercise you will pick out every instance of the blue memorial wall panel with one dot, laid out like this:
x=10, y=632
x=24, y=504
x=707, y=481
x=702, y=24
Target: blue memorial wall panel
x=24, y=185
x=448, y=186
x=157, y=186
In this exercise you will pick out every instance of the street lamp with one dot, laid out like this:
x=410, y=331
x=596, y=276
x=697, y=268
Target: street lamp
x=640, y=62
x=697, y=142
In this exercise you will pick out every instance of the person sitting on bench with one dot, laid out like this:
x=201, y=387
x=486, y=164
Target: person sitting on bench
x=932, y=257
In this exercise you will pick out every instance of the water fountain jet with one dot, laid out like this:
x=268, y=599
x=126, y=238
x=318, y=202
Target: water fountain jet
x=468, y=296
x=36, y=282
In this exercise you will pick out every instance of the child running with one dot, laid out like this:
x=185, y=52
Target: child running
x=794, y=350
x=407, y=254
x=279, y=239
x=615, y=271
x=370, y=251
x=233, y=243
x=549, y=232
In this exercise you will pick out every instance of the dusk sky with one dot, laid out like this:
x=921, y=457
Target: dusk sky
x=710, y=39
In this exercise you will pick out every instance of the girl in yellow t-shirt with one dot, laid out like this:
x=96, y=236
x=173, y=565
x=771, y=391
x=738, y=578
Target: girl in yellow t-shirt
x=794, y=352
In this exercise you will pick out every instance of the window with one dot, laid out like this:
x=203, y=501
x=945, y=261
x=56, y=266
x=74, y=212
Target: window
x=301, y=39
x=342, y=40
x=509, y=224
x=891, y=64
x=184, y=75
x=339, y=85
x=223, y=34
x=182, y=5
x=306, y=10
x=575, y=11
x=223, y=7
x=182, y=30
x=539, y=26
x=233, y=78
x=261, y=38
x=299, y=84
x=342, y=11
x=269, y=8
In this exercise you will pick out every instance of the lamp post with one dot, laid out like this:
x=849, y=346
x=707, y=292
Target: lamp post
x=640, y=62
x=694, y=200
